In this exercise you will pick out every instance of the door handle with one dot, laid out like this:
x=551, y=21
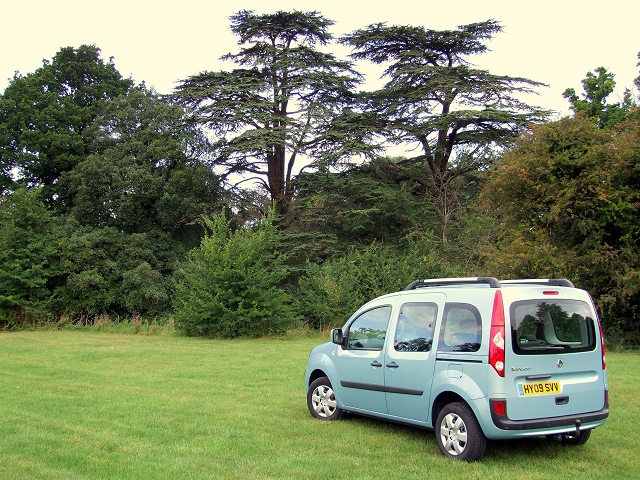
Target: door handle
x=376, y=364
x=392, y=365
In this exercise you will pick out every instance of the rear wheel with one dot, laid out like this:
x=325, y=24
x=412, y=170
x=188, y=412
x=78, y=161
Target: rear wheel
x=458, y=433
x=321, y=400
x=572, y=438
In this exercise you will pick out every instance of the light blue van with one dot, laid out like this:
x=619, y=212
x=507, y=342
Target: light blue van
x=471, y=358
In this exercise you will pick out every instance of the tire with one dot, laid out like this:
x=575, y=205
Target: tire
x=321, y=400
x=571, y=438
x=458, y=433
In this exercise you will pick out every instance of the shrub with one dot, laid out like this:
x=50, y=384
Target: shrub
x=329, y=293
x=230, y=285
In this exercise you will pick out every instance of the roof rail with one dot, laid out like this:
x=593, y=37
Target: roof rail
x=492, y=282
x=552, y=282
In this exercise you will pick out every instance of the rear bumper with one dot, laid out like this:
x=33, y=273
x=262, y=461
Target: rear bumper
x=570, y=421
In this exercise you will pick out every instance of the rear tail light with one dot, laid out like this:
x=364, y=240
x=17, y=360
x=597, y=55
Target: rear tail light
x=595, y=310
x=604, y=360
x=497, y=336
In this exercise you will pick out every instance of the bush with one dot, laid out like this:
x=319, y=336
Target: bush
x=230, y=285
x=329, y=293
x=565, y=203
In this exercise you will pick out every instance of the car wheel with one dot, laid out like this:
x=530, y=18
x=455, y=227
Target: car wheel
x=321, y=400
x=458, y=433
x=572, y=438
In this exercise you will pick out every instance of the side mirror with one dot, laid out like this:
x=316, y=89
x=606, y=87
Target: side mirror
x=336, y=336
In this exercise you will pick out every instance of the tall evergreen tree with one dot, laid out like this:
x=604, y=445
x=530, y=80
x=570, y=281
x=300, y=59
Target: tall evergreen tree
x=437, y=99
x=279, y=104
x=453, y=113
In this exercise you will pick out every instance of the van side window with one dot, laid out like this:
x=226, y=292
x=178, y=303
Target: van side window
x=461, y=329
x=414, y=331
x=368, y=331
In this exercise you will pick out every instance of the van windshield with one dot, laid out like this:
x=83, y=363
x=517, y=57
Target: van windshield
x=543, y=327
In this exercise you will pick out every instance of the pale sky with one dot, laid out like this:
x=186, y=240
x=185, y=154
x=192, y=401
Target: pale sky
x=554, y=42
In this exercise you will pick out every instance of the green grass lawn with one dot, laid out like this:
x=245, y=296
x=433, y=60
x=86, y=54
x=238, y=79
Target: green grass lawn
x=81, y=404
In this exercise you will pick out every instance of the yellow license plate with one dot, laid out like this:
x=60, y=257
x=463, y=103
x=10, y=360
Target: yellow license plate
x=540, y=388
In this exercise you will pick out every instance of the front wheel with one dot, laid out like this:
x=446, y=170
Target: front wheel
x=573, y=438
x=458, y=433
x=321, y=400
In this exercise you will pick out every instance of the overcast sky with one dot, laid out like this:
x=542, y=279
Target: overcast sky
x=554, y=42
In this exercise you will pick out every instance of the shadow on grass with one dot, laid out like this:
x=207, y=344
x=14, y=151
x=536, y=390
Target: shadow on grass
x=523, y=449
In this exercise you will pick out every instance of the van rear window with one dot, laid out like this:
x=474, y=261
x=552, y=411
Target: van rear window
x=543, y=327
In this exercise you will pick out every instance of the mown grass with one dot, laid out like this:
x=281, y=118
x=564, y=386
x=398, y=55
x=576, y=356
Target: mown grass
x=79, y=404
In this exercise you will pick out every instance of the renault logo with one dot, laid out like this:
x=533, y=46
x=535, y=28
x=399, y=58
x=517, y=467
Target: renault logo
x=560, y=364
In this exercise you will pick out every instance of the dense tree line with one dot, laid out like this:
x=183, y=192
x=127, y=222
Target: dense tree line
x=119, y=201
x=103, y=184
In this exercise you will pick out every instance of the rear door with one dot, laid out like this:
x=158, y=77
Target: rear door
x=554, y=365
x=410, y=358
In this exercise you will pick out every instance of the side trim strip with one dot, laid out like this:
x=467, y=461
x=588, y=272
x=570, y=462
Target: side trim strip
x=380, y=388
x=406, y=391
x=458, y=360
x=363, y=386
